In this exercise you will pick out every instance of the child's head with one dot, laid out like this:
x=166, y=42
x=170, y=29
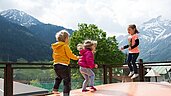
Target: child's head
x=132, y=29
x=89, y=44
x=80, y=47
x=62, y=36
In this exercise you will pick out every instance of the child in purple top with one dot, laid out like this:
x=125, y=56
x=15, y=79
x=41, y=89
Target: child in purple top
x=86, y=63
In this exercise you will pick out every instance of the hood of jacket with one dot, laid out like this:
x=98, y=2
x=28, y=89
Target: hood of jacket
x=58, y=44
x=83, y=51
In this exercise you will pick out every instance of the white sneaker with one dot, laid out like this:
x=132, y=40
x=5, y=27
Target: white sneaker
x=130, y=74
x=134, y=76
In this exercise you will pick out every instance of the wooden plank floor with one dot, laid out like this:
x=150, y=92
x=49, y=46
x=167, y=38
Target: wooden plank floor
x=127, y=89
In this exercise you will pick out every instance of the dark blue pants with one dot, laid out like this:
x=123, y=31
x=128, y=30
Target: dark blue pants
x=132, y=57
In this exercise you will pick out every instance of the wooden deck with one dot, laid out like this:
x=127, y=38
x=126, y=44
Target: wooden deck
x=21, y=89
x=127, y=89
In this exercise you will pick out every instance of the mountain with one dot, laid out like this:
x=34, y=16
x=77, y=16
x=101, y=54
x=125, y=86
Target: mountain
x=20, y=17
x=45, y=32
x=155, y=37
x=17, y=42
x=25, y=37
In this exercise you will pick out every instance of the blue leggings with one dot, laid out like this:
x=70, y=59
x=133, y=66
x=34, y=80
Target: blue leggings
x=88, y=74
x=132, y=57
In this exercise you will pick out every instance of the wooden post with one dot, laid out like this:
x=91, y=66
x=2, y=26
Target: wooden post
x=156, y=78
x=8, y=80
x=104, y=74
x=110, y=74
x=141, y=70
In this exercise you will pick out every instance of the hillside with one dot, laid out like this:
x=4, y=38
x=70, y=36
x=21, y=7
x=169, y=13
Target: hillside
x=25, y=37
x=17, y=42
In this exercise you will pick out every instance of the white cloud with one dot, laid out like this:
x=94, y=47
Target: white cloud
x=111, y=15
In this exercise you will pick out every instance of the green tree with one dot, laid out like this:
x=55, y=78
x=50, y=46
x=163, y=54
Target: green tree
x=107, y=51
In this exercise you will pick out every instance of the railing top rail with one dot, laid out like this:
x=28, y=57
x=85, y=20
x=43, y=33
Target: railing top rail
x=168, y=63
x=20, y=63
x=157, y=62
x=157, y=65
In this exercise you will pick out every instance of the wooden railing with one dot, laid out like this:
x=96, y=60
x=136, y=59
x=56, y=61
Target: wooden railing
x=107, y=71
x=10, y=66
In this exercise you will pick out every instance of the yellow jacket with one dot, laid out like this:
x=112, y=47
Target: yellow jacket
x=62, y=53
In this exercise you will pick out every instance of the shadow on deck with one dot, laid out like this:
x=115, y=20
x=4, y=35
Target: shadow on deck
x=127, y=89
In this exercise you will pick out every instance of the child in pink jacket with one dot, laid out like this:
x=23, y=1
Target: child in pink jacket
x=86, y=63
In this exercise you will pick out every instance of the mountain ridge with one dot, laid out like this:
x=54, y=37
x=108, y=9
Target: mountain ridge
x=25, y=37
x=20, y=17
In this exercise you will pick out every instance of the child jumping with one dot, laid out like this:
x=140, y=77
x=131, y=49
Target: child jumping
x=133, y=50
x=86, y=63
x=61, y=58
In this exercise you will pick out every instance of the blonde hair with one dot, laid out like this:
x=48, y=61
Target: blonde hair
x=79, y=47
x=89, y=43
x=62, y=35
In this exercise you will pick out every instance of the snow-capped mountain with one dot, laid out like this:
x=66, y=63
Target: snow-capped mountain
x=155, y=39
x=24, y=36
x=45, y=32
x=20, y=17
x=155, y=29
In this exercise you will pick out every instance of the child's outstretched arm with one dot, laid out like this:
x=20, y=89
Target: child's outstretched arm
x=69, y=53
x=125, y=47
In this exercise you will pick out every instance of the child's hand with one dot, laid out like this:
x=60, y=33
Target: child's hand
x=96, y=66
x=78, y=57
x=121, y=48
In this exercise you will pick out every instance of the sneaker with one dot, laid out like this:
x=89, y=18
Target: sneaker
x=93, y=88
x=85, y=90
x=134, y=76
x=130, y=74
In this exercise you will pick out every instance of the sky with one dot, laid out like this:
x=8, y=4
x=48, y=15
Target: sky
x=113, y=16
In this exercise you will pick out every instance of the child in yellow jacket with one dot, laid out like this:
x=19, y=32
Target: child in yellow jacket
x=61, y=58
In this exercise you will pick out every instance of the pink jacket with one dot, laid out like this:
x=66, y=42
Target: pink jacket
x=87, y=59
